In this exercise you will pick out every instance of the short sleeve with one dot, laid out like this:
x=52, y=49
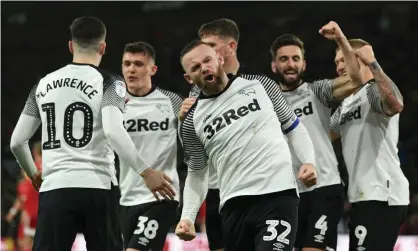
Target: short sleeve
x=323, y=91
x=335, y=120
x=114, y=91
x=31, y=106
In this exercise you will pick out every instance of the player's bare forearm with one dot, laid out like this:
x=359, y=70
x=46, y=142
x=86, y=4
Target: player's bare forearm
x=345, y=85
x=391, y=97
x=352, y=65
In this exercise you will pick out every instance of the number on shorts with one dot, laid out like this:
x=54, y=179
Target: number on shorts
x=360, y=232
x=271, y=228
x=150, y=231
x=322, y=224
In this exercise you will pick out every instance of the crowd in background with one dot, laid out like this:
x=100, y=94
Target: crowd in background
x=35, y=36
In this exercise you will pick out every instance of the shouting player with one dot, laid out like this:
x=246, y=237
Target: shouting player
x=321, y=206
x=233, y=128
x=151, y=120
x=223, y=35
x=368, y=122
x=80, y=109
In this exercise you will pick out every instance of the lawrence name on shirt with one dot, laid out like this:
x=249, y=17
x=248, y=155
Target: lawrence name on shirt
x=80, y=108
x=150, y=118
x=368, y=122
x=233, y=128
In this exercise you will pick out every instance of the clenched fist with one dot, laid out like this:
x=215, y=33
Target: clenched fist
x=366, y=54
x=185, y=106
x=307, y=174
x=331, y=31
x=185, y=230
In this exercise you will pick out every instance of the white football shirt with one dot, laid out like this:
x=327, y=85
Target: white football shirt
x=311, y=102
x=75, y=151
x=151, y=122
x=236, y=134
x=213, y=180
x=369, y=144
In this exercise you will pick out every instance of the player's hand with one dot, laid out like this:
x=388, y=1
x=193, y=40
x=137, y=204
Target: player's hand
x=9, y=217
x=366, y=54
x=158, y=181
x=307, y=174
x=185, y=107
x=331, y=31
x=185, y=230
x=37, y=180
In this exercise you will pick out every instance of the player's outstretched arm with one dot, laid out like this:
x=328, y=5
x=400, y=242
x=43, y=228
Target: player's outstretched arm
x=196, y=185
x=113, y=104
x=345, y=85
x=386, y=98
x=26, y=127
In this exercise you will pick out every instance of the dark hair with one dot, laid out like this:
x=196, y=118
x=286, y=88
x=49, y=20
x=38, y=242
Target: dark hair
x=190, y=46
x=356, y=43
x=140, y=47
x=87, y=32
x=222, y=27
x=285, y=40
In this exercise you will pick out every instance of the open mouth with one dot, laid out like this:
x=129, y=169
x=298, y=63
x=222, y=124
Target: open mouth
x=290, y=73
x=209, y=78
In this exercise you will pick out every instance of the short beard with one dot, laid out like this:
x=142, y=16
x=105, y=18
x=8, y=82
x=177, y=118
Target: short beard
x=283, y=80
x=215, y=88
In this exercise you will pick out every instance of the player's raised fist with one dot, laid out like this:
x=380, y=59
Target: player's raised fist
x=185, y=107
x=366, y=54
x=158, y=181
x=331, y=31
x=307, y=174
x=185, y=230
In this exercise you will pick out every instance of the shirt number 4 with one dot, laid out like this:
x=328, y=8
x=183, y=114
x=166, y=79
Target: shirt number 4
x=271, y=228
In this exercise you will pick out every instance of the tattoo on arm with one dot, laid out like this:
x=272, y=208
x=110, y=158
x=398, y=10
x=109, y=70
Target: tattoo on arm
x=391, y=97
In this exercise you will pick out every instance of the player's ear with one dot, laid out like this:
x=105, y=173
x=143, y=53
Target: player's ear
x=188, y=79
x=232, y=46
x=70, y=46
x=220, y=59
x=304, y=65
x=273, y=67
x=102, y=48
x=154, y=69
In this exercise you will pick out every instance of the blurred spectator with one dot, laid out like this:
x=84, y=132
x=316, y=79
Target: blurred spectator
x=27, y=203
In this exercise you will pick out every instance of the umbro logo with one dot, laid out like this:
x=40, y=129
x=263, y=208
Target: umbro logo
x=278, y=246
x=319, y=238
x=143, y=241
x=247, y=91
